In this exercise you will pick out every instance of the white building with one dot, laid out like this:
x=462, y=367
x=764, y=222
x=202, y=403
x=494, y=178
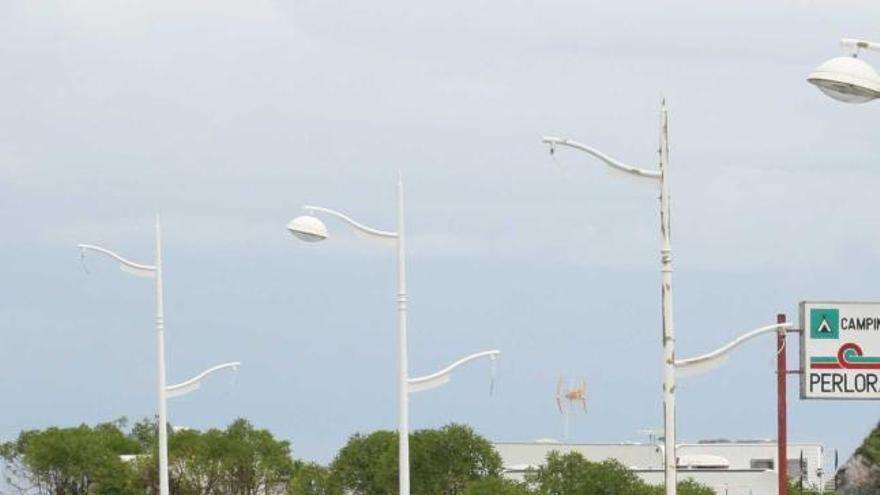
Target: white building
x=730, y=467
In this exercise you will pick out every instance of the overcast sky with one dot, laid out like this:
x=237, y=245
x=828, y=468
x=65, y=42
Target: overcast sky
x=226, y=116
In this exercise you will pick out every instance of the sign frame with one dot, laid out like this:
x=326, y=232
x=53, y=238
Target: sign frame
x=827, y=309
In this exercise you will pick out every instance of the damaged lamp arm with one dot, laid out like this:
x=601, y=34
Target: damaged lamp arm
x=611, y=162
x=194, y=383
x=124, y=264
x=702, y=363
x=442, y=377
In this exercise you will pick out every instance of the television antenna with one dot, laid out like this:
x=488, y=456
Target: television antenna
x=654, y=435
x=569, y=398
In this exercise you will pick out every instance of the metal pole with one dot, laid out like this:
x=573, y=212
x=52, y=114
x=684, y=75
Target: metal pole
x=566, y=424
x=403, y=432
x=668, y=333
x=160, y=358
x=781, y=409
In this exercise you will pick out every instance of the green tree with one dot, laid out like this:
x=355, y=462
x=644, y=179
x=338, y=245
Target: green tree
x=313, y=479
x=367, y=464
x=496, y=486
x=238, y=460
x=572, y=474
x=72, y=461
x=442, y=462
x=145, y=432
x=253, y=460
x=794, y=488
x=196, y=462
x=445, y=461
x=146, y=465
x=691, y=487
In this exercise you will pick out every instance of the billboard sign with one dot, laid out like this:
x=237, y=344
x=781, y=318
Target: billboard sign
x=840, y=350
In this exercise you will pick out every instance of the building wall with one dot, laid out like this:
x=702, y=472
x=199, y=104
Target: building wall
x=740, y=456
x=724, y=482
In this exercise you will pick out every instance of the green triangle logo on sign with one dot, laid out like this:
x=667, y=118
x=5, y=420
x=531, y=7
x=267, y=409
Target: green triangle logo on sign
x=824, y=323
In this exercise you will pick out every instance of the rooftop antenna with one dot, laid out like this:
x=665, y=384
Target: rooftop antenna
x=568, y=398
x=652, y=434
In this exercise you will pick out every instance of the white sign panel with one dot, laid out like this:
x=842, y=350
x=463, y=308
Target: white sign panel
x=840, y=350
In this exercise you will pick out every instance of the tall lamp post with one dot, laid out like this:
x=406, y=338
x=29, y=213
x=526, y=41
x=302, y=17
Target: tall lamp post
x=668, y=334
x=311, y=229
x=164, y=391
x=849, y=79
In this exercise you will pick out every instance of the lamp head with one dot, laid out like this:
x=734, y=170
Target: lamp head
x=308, y=228
x=847, y=79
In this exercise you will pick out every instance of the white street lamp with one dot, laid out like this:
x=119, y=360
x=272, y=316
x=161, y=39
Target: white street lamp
x=311, y=229
x=164, y=392
x=848, y=79
x=194, y=383
x=308, y=228
x=703, y=363
x=668, y=335
x=442, y=377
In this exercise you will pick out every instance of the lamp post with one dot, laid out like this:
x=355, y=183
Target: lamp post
x=668, y=334
x=164, y=392
x=849, y=79
x=311, y=229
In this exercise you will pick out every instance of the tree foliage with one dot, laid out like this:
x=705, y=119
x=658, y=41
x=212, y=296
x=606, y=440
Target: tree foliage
x=496, y=486
x=572, y=474
x=243, y=460
x=691, y=487
x=254, y=460
x=442, y=462
x=313, y=479
x=71, y=461
x=367, y=464
x=240, y=460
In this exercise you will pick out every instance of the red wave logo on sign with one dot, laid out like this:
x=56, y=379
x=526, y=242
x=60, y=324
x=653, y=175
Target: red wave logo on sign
x=850, y=356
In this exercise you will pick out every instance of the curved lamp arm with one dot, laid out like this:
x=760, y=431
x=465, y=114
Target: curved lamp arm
x=856, y=45
x=194, y=383
x=611, y=162
x=700, y=364
x=125, y=265
x=359, y=227
x=441, y=377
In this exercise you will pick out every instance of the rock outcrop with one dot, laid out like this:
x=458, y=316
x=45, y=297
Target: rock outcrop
x=858, y=475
